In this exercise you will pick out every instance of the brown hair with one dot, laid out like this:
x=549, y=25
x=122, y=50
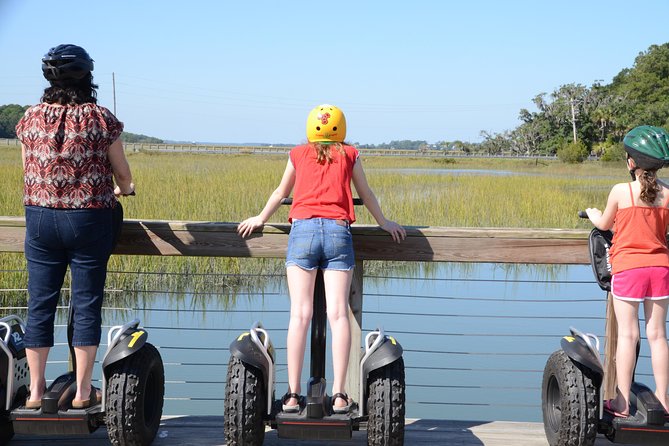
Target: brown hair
x=71, y=92
x=649, y=186
x=324, y=151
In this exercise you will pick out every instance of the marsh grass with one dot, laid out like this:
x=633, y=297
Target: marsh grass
x=229, y=188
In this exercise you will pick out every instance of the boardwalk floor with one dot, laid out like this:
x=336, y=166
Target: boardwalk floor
x=208, y=431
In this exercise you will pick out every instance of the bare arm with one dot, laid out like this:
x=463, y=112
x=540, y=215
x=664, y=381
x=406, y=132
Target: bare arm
x=246, y=227
x=372, y=204
x=121, y=169
x=604, y=221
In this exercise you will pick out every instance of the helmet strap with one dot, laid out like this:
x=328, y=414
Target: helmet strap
x=632, y=167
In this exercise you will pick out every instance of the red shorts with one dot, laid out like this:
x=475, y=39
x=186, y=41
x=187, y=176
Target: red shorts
x=638, y=284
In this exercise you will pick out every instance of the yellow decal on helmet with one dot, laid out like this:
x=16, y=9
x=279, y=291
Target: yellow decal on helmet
x=241, y=336
x=569, y=338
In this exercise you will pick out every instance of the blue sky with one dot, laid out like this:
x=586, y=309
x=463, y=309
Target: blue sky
x=250, y=71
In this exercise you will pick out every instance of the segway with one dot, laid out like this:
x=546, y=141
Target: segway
x=250, y=402
x=571, y=391
x=133, y=383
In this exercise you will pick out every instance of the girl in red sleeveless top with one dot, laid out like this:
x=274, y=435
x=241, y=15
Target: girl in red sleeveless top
x=639, y=214
x=319, y=174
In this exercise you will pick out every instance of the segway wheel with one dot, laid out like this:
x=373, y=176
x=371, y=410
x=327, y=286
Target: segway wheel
x=245, y=405
x=569, y=402
x=385, y=405
x=135, y=392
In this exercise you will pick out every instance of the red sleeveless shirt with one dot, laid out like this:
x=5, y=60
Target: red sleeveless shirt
x=322, y=190
x=640, y=237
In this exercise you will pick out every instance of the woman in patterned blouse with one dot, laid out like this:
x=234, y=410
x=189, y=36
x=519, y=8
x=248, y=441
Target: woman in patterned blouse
x=72, y=153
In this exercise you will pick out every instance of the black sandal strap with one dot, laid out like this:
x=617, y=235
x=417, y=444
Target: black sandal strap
x=288, y=396
x=340, y=395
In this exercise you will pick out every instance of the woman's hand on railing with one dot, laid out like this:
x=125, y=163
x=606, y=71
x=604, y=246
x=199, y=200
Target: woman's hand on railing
x=130, y=190
x=396, y=231
x=245, y=228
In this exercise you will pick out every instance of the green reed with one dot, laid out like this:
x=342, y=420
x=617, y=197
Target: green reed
x=229, y=188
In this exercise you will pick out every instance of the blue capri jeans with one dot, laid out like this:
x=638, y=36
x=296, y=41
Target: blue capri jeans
x=56, y=238
x=320, y=243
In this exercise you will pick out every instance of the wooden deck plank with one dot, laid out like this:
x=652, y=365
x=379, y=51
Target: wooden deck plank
x=208, y=431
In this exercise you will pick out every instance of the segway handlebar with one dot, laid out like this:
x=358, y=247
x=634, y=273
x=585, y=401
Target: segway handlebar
x=582, y=214
x=288, y=200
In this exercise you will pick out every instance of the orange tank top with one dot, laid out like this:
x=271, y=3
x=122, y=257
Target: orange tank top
x=640, y=237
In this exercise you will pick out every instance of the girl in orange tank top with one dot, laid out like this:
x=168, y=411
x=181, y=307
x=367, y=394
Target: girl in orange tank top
x=638, y=214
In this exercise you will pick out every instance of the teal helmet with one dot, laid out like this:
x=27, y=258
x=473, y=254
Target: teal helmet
x=648, y=146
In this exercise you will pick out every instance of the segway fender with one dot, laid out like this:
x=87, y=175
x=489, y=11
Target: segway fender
x=130, y=342
x=389, y=351
x=579, y=352
x=14, y=376
x=244, y=349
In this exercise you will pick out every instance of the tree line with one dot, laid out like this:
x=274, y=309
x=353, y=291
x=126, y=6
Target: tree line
x=576, y=120
x=572, y=121
x=11, y=114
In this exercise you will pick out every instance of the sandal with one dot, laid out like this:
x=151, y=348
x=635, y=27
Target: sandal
x=34, y=405
x=290, y=408
x=608, y=408
x=92, y=400
x=341, y=409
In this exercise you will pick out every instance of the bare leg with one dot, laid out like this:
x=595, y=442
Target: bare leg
x=85, y=357
x=656, y=317
x=337, y=289
x=628, y=336
x=37, y=364
x=301, y=289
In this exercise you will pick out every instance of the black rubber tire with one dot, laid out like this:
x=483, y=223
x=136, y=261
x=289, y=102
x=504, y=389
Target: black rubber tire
x=135, y=394
x=569, y=402
x=245, y=404
x=386, y=405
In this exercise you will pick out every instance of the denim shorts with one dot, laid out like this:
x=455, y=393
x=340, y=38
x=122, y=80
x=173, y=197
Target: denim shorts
x=320, y=243
x=56, y=239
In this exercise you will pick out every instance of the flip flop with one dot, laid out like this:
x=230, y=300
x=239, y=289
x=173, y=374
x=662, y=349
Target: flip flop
x=609, y=409
x=290, y=408
x=341, y=409
x=92, y=400
x=34, y=405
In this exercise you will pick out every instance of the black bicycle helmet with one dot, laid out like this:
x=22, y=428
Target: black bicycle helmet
x=648, y=146
x=65, y=63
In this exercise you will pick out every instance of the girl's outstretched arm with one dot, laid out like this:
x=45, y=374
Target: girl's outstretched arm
x=604, y=221
x=371, y=203
x=246, y=227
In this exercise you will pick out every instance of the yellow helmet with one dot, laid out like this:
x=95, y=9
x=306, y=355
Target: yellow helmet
x=326, y=123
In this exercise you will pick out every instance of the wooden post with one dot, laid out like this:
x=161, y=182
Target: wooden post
x=355, y=319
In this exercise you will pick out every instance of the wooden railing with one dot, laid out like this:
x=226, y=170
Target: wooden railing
x=423, y=244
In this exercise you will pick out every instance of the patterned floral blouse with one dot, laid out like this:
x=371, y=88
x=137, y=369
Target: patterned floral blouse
x=66, y=162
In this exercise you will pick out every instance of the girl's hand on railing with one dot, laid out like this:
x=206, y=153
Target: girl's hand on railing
x=245, y=228
x=396, y=231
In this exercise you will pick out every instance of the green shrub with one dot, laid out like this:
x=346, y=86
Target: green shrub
x=573, y=152
x=612, y=152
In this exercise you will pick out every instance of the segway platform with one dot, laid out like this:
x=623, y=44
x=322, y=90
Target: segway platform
x=647, y=425
x=300, y=426
x=63, y=422
x=55, y=416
